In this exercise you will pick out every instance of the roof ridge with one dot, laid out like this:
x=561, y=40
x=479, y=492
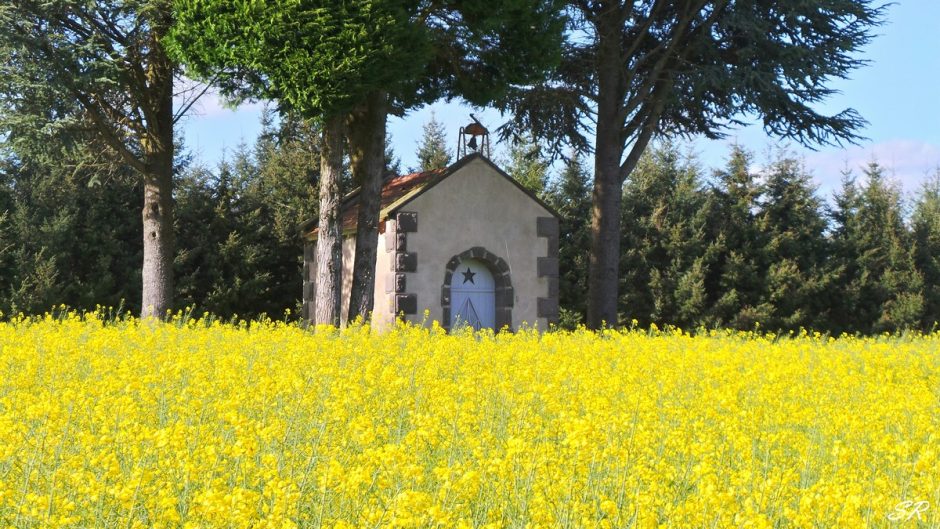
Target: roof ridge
x=412, y=185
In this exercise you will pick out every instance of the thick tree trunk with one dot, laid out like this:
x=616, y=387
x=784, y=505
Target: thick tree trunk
x=330, y=237
x=604, y=270
x=159, y=241
x=367, y=155
x=157, y=147
x=603, y=276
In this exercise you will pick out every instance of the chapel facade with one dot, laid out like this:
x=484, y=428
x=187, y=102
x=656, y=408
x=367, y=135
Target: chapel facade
x=464, y=245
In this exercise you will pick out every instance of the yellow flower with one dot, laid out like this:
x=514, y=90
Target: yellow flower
x=265, y=425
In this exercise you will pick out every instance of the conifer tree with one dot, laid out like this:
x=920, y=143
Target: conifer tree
x=570, y=195
x=433, y=152
x=878, y=287
x=926, y=232
x=735, y=278
x=526, y=165
x=246, y=259
x=792, y=227
x=69, y=229
x=635, y=71
x=664, y=241
x=101, y=68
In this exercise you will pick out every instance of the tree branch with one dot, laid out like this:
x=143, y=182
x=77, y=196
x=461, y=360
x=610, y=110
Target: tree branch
x=191, y=102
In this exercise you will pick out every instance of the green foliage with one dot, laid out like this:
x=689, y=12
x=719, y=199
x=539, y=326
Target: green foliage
x=790, y=217
x=70, y=230
x=879, y=287
x=69, y=234
x=736, y=276
x=314, y=58
x=433, y=152
x=756, y=249
x=93, y=78
x=664, y=241
x=71, y=71
x=323, y=58
x=392, y=161
x=527, y=166
x=634, y=72
x=570, y=195
x=688, y=67
x=926, y=237
x=240, y=253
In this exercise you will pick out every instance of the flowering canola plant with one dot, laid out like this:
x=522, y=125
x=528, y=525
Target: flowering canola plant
x=199, y=424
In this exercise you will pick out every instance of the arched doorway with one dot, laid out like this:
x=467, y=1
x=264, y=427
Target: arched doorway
x=473, y=296
x=495, y=278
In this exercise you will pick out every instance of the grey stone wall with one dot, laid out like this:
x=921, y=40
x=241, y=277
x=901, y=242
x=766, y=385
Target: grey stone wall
x=309, y=281
x=547, y=228
x=402, y=263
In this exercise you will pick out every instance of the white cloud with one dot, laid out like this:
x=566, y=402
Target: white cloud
x=210, y=104
x=908, y=162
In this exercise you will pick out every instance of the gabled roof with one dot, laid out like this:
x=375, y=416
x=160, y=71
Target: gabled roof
x=397, y=191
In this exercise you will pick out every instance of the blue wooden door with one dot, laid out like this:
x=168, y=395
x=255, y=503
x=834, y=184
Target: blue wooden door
x=473, y=296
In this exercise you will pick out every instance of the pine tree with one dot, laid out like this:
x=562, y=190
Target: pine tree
x=69, y=230
x=878, y=287
x=527, y=166
x=926, y=228
x=247, y=259
x=570, y=195
x=392, y=161
x=105, y=65
x=433, y=152
x=664, y=240
x=792, y=226
x=650, y=70
x=735, y=280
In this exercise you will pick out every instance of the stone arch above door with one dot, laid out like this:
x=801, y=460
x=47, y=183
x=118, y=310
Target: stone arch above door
x=501, y=276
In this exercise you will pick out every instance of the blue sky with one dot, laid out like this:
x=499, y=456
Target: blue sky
x=898, y=93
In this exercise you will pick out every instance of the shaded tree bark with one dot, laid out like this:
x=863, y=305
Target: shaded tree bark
x=157, y=146
x=159, y=239
x=330, y=236
x=367, y=155
x=604, y=262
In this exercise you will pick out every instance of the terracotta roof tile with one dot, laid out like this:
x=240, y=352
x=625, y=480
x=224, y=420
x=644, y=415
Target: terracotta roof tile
x=393, y=189
x=412, y=185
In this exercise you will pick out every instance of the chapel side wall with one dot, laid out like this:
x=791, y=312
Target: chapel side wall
x=477, y=207
x=309, y=281
x=349, y=255
x=381, y=314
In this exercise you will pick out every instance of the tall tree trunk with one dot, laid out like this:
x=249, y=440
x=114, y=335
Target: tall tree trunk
x=604, y=269
x=330, y=231
x=157, y=147
x=367, y=155
x=603, y=277
x=159, y=239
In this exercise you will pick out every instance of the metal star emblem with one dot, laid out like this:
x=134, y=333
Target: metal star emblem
x=468, y=276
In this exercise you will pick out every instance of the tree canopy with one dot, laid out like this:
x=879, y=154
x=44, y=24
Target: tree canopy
x=99, y=72
x=315, y=58
x=636, y=70
x=357, y=61
x=319, y=57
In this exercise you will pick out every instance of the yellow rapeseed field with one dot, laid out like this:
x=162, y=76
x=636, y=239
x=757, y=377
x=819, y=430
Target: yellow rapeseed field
x=266, y=425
